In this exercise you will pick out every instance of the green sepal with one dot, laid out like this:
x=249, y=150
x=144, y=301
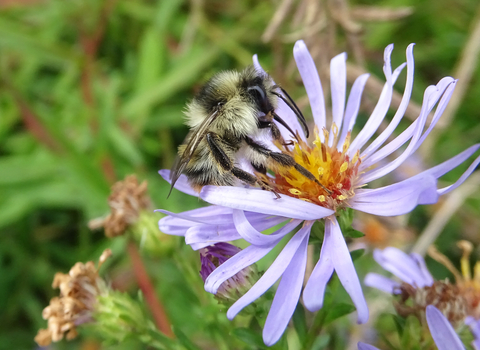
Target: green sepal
x=337, y=311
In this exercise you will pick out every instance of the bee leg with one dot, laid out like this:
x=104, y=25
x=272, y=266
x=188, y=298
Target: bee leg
x=275, y=131
x=283, y=159
x=218, y=153
x=252, y=180
x=262, y=169
x=227, y=164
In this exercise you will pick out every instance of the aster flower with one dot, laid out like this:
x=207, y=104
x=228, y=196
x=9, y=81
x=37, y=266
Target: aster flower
x=442, y=332
x=79, y=290
x=418, y=288
x=344, y=166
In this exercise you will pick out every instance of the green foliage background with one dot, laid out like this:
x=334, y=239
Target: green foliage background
x=92, y=90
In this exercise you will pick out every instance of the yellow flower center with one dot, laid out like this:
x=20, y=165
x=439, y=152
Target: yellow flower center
x=332, y=168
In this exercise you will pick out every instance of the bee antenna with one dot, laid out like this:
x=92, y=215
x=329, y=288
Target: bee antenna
x=293, y=106
x=282, y=122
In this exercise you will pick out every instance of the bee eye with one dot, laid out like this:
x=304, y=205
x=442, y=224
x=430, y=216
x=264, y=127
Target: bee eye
x=258, y=91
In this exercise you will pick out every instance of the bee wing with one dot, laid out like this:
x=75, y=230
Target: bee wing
x=194, y=137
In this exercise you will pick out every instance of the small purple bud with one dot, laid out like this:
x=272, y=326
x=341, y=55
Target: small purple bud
x=215, y=255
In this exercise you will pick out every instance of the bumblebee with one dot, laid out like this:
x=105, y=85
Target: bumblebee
x=224, y=118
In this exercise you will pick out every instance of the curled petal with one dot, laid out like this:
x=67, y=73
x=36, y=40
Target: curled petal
x=273, y=273
x=263, y=202
x=396, y=199
x=380, y=282
x=286, y=296
x=380, y=109
x=401, y=108
x=414, y=131
x=181, y=184
x=311, y=81
x=253, y=236
x=314, y=291
x=442, y=331
x=343, y=264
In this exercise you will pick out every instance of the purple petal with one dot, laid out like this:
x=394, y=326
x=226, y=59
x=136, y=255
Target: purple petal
x=353, y=105
x=235, y=264
x=431, y=96
x=443, y=168
x=208, y=220
x=210, y=234
x=177, y=226
x=396, y=199
x=228, y=232
x=274, y=271
x=462, y=178
x=252, y=236
x=363, y=346
x=181, y=184
x=401, y=109
x=474, y=326
x=286, y=296
x=442, y=331
x=314, y=291
x=263, y=202
x=338, y=86
x=427, y=276
x=403, y=266
x=311, y=81
x=451, y=84
x=380, y=109
x=343, y=264
x=380, y=282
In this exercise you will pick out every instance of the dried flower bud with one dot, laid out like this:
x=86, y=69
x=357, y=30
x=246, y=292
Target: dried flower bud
x=79, y=290
x=127, y=200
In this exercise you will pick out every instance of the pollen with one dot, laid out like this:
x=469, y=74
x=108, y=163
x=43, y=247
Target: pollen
x=336, y=174
x=295, y=191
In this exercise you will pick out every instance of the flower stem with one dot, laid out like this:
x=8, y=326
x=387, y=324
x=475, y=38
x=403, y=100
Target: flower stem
x=143, y=280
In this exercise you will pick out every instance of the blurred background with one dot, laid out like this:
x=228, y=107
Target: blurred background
x=93, y=90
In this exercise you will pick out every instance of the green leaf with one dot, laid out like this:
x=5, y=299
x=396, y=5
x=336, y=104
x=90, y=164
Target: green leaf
x=300, y=323
x=183, y=339
x=337, y=311
x=186, y=71
x=249, y=337
x=352, y=233
x=355, y=254
x=320, y=342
